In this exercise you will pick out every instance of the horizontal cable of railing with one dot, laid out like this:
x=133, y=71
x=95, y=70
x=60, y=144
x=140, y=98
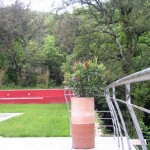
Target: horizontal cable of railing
x=138, y=107
x=103, y=111
x=106, y=125
x=105, y=118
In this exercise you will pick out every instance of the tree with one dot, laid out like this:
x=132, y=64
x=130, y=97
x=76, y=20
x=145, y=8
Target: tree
x=18, y=27
x=51, y=56
x=122, y=22
x=66, y=30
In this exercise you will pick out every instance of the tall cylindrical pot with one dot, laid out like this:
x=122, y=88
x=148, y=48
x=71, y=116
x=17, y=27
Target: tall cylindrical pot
x=83, y=123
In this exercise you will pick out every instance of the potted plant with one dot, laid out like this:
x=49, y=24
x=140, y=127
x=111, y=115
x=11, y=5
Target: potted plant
x=87, y=80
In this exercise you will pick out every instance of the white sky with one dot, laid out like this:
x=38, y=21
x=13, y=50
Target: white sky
x=39, y=5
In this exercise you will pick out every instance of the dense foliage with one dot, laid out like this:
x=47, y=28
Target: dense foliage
x=28, y=52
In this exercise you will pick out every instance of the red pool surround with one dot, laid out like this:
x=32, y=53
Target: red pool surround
x=46, y=96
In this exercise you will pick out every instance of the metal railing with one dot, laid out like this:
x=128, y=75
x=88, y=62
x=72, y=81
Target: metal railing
x=105, y=121
x=68, y=93
x=117, y=117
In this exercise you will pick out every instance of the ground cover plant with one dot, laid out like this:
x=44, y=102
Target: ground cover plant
x=38, y=120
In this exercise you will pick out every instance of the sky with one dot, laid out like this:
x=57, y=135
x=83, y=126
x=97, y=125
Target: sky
x=38, y=5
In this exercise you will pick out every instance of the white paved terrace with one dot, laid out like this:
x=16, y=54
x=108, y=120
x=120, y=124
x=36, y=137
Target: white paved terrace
x=53, y=143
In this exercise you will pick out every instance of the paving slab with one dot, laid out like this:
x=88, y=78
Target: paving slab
x=53, y=143
x=6, y=116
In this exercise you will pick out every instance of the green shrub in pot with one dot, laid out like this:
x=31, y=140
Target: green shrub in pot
x=87, y=78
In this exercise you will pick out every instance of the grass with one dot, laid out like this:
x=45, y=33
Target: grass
x=46, y=120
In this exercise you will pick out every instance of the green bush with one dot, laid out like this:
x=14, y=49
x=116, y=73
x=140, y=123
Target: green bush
x=146, y=132
x=86, y=78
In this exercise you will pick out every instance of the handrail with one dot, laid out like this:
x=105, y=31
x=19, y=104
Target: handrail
x=112, y=102
x=143, y=75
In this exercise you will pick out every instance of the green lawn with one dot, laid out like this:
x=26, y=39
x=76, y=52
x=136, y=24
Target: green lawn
x=46, y=120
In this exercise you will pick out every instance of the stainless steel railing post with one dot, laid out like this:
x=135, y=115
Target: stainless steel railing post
x=133, y=116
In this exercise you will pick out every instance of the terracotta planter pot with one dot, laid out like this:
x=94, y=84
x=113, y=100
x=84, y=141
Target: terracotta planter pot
x=83, y=123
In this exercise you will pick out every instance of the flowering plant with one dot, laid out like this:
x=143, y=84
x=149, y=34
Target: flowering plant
x=86, y=78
